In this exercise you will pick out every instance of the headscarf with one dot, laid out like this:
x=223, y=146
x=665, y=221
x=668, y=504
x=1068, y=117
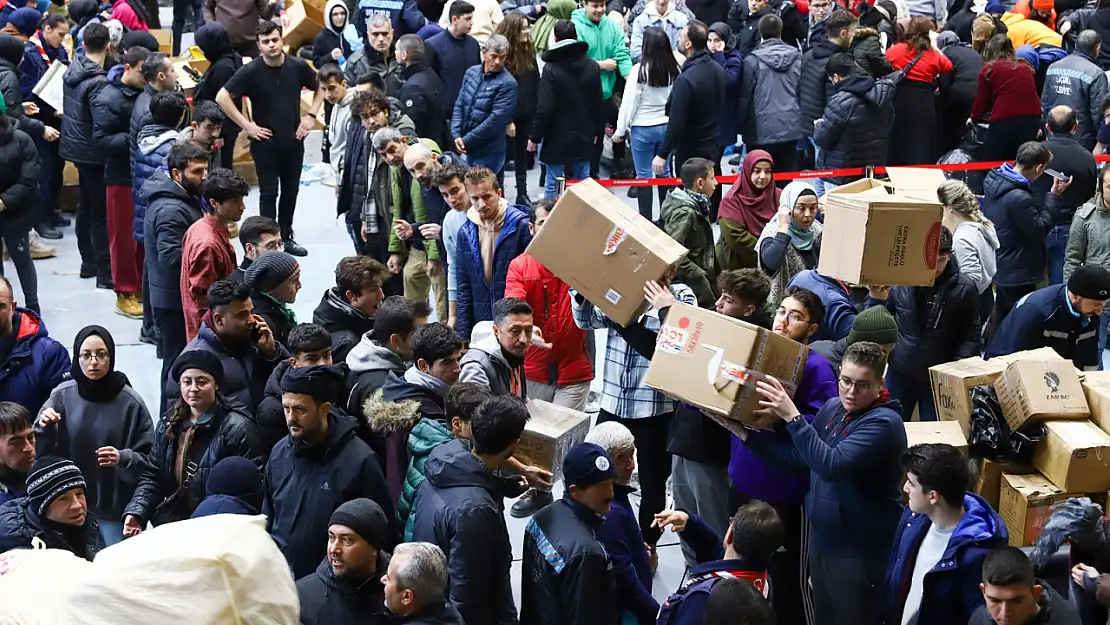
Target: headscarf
x=213, y=41
x=724, y=32
x=82, y=11
x=25, y=20
x=106, y=388
x=141, y=38
x=799, y=238
x=750, y=207
x=541, y=31
x=947, y=38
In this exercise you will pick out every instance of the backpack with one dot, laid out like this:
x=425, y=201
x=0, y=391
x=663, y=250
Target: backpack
x=703, y=584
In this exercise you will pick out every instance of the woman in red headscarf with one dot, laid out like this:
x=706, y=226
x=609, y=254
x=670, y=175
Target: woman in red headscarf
x=747, y=207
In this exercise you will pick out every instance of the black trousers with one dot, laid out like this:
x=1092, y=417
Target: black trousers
x=518, y=151
x=19, y=248
x=789, y=569
x=376, y=246
x=181, y=9
x=1007, y=297
x=619, y=149
x=1004, y=137
x=92, y=221
x=654, y=463
x=50, y=182
x=278, y=166
x=170, y=323
x=844, y=587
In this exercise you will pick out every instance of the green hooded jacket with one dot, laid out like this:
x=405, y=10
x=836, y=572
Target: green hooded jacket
x=425, y=436
x=606, y=41
x=686, y=220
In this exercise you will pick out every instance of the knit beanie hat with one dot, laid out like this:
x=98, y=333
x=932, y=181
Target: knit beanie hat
x=1043, y=5
x=139, y=38
x=198, y=359
x=26, y=20
x=876, y=325
x=366, y=518
x=269, y=270
x=1090, y=282
x=236, y=476
x=995, y=7
x=49, y=479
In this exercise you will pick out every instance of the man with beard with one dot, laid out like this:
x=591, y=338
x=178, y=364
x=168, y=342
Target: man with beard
x=318, y=467
x=347, y=586
x=347, y=310
x=495, y=359
x=33, y=363
x=416, y=584
x=376, y=57
x=17, y=450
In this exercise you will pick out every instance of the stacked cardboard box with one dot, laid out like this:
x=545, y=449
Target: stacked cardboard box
x=1096, y=386
x=1025, y=503
x=306, y=20
x=988, y=477
x=550, y=434
x=1040, y=390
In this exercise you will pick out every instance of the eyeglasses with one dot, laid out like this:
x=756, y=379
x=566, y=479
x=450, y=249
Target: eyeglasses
x=792, y=317
x=277, y=245
x=847, y=383
x=101, y=356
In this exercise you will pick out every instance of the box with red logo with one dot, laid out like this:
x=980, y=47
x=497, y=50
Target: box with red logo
x=713, y=361
x=605, y=250
x=873, y=238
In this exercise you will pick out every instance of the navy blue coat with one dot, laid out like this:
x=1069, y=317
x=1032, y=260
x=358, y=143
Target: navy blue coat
x=854, y=499
x=484, y=108
x=82, y=79
x=950, y=591
x=732, y=62
x=34, y=67
x=148, y=155
x=476, y=298
x=111, y=115
x=451, y=58
x=171, y=211
x=1020, y=224
x=1045, y=318
x=19, y=525
x=840, y=312
x=36, y=364
x=620, y=535
x=304, y=486
x=858, y=118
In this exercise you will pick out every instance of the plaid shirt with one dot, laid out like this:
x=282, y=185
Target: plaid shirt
x=622, y=386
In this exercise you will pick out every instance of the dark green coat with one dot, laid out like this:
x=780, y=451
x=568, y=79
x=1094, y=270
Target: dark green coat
x=686, y=220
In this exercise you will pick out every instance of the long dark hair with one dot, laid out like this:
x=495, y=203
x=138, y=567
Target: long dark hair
x=522, y=54
x=658, y=67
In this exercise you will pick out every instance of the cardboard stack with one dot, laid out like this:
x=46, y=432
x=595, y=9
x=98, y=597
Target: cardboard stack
x=713, y=362
x=1025, y=503
x=1040, y=390
x=549, y=434
x=944, y=432
x=1096, y=386
x=165, y=40
x=988, y=478
x=605, y=250
x=306, y=20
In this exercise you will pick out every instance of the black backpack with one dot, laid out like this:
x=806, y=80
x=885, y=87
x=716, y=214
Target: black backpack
x=896, y=77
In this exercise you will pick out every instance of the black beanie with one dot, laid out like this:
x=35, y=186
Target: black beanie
x=198, y=359
x=49, y=479
x=1090, y=282
x=322, y=382
x=366, y=518
x=269, y=270
x=139, y=38
x=236, y=476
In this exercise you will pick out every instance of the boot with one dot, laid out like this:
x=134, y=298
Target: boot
x=40, y=250
x=530, y=503
x=48, y=231
x=128, y=305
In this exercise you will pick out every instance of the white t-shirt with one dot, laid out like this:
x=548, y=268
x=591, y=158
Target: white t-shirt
x=928, y=554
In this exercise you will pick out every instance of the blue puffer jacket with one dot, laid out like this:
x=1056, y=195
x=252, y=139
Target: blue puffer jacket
x=483, y=109
x=476, y=298
x=148, y=155
x=951, y=588
x=19, y=525
x=840, y=312
x=80, y=83
x=1021, y=225
x=36, y=364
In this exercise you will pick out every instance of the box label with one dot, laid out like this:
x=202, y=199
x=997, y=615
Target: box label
x=613, y=241
x=612, y=297
x=932, y=246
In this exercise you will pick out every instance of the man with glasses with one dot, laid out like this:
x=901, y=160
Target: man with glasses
x=852, y=451
x=259, y=236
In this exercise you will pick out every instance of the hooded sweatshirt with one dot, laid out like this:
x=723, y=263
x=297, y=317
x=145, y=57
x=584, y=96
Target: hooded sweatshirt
x=487, y=236
x=606, y=41
x=974, y=246
x=486, y=364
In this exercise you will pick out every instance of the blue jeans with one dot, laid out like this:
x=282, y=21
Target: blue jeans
x=110, y=531
x=579, y=170
x=495, y=162
x=818, y=163
x=1055, y=248
x=645, y=142
x=1103, y=326
x=912, y=394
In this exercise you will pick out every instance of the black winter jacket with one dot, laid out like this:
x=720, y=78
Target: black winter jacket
x=80, y=83
x=170, y=212
x=270, y=311
x=710, y=11
x=567, y=575
x=460, y=508
x=1021, y=225
x=814, y=88
x=936, y=324
x=1070, y=158
x=305, y=484
x=245, y=368
x=330, y=600
x=694, y=107
x=158, y=498
x=568, y=113
x=270, y=416
x=19, y=525
x=345, y=324
x=370, y=61
x=867, y=51
x=1045, y=319
x=421, y=98
x=11, y=54
x=856, y=123
x=111, y=115
x=958, y=86
x=445, y=614
x=19, y=178
x=745, y=26
x=1055, y=610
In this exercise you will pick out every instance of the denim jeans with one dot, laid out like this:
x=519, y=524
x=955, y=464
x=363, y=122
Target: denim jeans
x=495, y=162
x=579, y=170
x=110, y=531
x=645, y=141
x=912, y=394
x=1103, y=326
x=1055, y=248
x=818, y=163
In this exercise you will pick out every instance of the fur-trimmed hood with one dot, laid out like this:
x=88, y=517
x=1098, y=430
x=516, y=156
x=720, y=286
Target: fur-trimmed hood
x=401, y=403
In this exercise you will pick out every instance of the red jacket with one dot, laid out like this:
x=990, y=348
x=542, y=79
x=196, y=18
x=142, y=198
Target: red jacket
x=1007, y=89
x=206, y=256
x=932, y=64
x=550, y=301
x=126, y=15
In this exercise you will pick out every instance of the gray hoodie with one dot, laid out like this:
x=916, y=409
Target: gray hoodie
x=769, y=82
x=484, y=363
x=974, y=246
x=371, y=363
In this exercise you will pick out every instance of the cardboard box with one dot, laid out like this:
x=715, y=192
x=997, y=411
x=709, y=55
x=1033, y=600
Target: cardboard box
x=246, y=170
x=1040, y=390
x=605, y=250
x=165, y=40
x=988, y=479
x=70, y=178
x=713, y=361
x=919, y=183
x=872, y=239
x=945, y=432
x=306, y=106
x=305, y=22
x=1075, y=455
x=952, y=381
x=1025, y=503
x=1096, y=386
x=550, y=434
x=242, y=149
x=196, y=57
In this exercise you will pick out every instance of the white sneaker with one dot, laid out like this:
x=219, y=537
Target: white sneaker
x=40, y=250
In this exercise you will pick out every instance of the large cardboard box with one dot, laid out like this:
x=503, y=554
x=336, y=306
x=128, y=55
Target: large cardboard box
x=944, y=432
x=1025, y=503
x=550, y=434
x=306, y=107
x=952, y=381
x=165, y=40
x=713, y=361
x=1096, y=386
x=919, y=183
x=988, y=478
x=872, y=239
x=605, y=250
x=1040, y=390
x=1075, y=455
x=305, y=22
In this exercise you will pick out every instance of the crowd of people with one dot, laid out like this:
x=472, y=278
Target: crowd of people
x=380, y=445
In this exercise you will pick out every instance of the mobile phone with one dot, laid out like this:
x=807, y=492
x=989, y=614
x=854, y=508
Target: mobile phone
x=256, y=334
x=1057, y=175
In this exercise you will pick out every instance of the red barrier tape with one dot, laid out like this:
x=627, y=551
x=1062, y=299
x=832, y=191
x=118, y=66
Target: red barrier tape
x=809, y=174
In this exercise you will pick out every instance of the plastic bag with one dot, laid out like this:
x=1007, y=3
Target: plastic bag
x=217, y=570
x=989, y=435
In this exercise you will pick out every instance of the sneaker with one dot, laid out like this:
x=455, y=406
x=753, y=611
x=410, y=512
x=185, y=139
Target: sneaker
x=293, y=248
x=48, y=231
x=128, y=306
x=40, y=250
x=593, y=403
x=59, y=220
x=530, y=503
x=149, y=339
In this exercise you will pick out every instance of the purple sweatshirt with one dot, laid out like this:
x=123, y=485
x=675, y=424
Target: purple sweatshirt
x=750, y=475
